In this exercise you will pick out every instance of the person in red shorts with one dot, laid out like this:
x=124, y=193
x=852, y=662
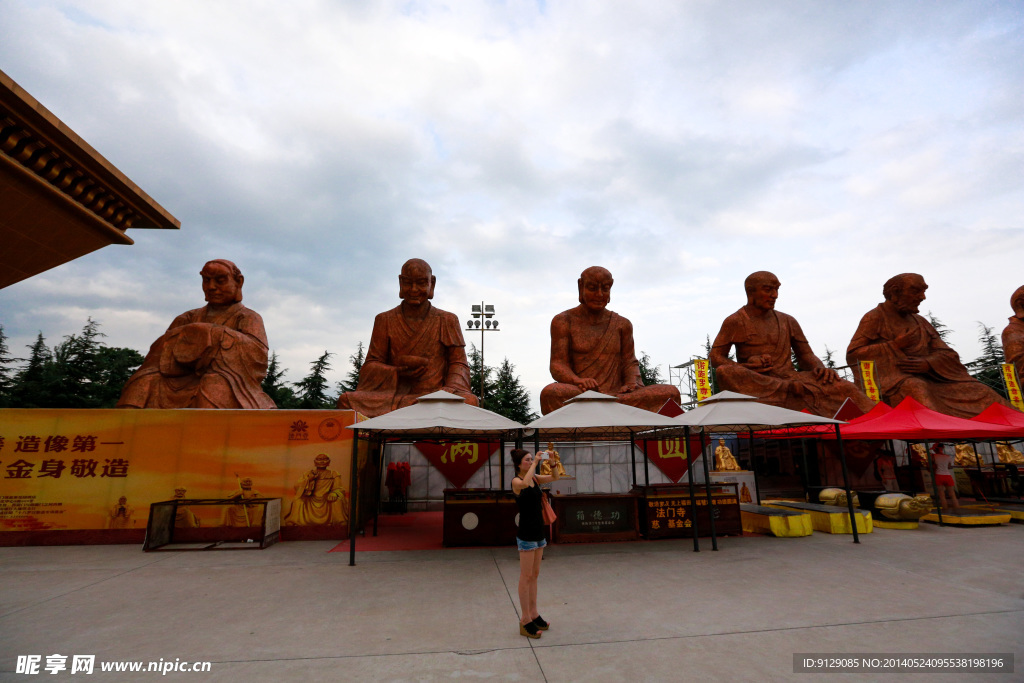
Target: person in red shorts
x=944, y=481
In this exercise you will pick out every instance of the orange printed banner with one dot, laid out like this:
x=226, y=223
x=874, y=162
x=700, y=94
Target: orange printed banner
x=101, y=469
x=867, y=373
x=457, y=461
x=1012, y=386
x=702, y=372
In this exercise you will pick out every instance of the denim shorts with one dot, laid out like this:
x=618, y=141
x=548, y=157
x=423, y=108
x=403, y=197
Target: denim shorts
x=526, y=546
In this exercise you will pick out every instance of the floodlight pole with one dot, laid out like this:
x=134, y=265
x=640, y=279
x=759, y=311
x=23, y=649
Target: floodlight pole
x=481, y=321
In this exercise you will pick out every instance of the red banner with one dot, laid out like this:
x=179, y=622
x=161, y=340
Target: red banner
x=457, y=461
x=669, y=455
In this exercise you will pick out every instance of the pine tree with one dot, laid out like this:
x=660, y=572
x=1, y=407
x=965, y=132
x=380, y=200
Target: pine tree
x=649, y=374
x=116, y=365
x=312, y=389
x=273, y=386
x=986, y=367
x=940, y=328
x=476, y=368
x=829, y=358
x=6, y=373
x=36, y=385
x=351, y=380
x=509, y=397
x=76, y=364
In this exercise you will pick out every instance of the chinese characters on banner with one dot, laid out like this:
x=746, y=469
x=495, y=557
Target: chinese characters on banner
x=702, y=373
x=457, y=461
x=1012, y=386
x=670, y=515
x=670, y=455
x=867, y=373
x=70, y=470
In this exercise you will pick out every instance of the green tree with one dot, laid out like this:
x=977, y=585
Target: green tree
x=942, y=330
x=829, y=358
x=649, y=374
x=476, y=368
x=986, y=367
x=116, y=365
x=509, y=397
x=6, y=372
x=274, y=386
x=77, y=368
x=312, y=389
x=351, y=380
x=36, y=384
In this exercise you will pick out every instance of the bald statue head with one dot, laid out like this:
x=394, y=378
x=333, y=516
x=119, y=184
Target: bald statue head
x=905, y=291
x=595, y=286
x=762, y=290
x=222, y=282
x=1017, y=302
x=416, y=282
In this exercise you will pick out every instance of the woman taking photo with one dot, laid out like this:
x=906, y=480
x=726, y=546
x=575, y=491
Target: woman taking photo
x=530, y=538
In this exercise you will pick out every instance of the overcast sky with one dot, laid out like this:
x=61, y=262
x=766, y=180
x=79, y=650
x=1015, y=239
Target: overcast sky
x=681, y=145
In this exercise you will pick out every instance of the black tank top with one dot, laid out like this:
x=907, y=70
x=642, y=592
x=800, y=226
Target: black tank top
x=531, y=522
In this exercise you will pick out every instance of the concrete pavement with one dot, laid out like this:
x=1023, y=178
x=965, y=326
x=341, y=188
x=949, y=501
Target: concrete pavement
x=648, y=610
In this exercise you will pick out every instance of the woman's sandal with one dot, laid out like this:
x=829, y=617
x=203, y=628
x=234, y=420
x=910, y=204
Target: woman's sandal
x=541, y=624
x=529, y=630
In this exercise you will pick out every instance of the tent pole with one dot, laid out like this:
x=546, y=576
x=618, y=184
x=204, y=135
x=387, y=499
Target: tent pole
x=647, y=474
x=846, y=485
x=693, y=493
x=707, y=491
x=753, y=465
x=380, y=482
x=935, y=485
x=490, y=470
x=632, y=455
x=354, y=486
x=806, y=478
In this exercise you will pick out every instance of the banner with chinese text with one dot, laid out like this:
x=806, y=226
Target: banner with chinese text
x=867, y=373
x=701, y=369
x=1012, y=386
x=670, y=455
x=101, y=469
x=457, y=461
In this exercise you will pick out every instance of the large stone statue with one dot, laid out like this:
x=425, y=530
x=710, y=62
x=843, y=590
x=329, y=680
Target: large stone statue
x=1013, y=335
x=910, y=357
x=415, y=349
x=766, y=341
x=592, y=349
x=210, y=357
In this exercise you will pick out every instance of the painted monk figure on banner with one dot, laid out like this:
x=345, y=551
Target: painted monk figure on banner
x=766, y=341
x=243, y=514
x=592, y=349
x=1013, y=335
x=210, y=357
x=415, y=349
x=319, y=497
x=910, y=357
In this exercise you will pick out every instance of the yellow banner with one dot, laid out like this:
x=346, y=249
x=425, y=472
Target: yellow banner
x=701, y=371
x=1012, y=386
x=101, y=469
x=867, y=373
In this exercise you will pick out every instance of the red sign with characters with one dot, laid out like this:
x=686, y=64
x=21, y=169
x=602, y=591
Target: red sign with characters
x=457, y=461
x=670, y=455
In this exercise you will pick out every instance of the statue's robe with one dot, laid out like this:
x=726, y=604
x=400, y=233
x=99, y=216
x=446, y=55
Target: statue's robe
x=725, y=461
x=1013, y=345
x=437, y=338
x=243, y=514
x=947, y=387
x=780, y=384
x=208, y=358
x=312, y=506
x=609, y=358
x=121, y=518
x=185, y=518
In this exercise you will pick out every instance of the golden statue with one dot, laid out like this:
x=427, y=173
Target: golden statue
x=552, y=464
x=837, y=496
x=903, y=508
x=966, y=456
x=920, y=455
x=724, y=459
x=1008, y=455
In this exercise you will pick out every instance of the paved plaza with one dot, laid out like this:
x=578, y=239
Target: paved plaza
x=622, y=611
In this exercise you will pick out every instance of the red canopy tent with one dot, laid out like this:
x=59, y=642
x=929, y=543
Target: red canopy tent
x=1001, y=415
x=911, y=421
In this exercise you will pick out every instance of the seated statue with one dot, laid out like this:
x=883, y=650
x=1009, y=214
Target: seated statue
x=243, y=514
x=910, y=357
x=184, y=518
x=319, y=497
x=592, y=349
x=725, y=461
x=210, y=357
x=415, y=349
x=766, y=341
x=966, y=456
x=1009, y=455
x=1013, y=335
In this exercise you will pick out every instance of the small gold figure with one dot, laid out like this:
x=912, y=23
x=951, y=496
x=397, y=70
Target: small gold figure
x=725, y=461
x=1009, y=455
x=552, y=465
x=920, y=455
x=966, y=457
